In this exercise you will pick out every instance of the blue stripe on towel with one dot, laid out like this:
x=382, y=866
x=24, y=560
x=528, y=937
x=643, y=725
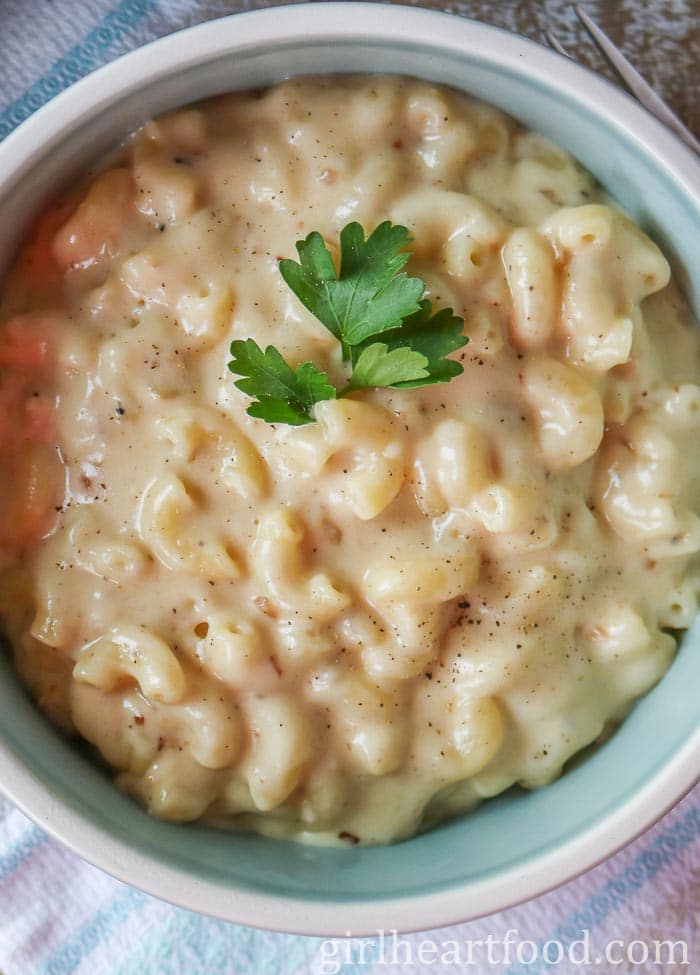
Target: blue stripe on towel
x=184, y=942
x=94, y=932
x=21, y=850
x=88, y=54
x=663, y=851
x=189, y=943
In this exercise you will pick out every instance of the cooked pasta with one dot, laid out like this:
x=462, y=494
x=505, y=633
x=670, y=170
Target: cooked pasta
x=345, y=631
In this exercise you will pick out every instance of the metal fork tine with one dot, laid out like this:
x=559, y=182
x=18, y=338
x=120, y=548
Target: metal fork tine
x=635, y=82
x=555, y=44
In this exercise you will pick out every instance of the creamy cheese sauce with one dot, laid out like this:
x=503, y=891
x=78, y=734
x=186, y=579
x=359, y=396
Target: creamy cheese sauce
x=345, y=631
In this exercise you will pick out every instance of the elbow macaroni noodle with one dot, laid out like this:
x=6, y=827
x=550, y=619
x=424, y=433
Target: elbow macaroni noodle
x=345, y=631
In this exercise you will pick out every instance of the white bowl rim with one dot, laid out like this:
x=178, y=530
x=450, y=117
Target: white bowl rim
x=370, y=22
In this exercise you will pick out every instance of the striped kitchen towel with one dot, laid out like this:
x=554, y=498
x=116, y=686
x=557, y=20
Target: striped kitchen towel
x=638, y=912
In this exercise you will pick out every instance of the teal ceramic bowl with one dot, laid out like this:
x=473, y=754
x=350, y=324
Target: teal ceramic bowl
x=513, y=847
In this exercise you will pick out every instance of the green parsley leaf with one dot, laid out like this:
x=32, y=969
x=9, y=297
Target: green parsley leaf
x=282, y=394
x=369, y=295
x=434, y=337
x=377, y=366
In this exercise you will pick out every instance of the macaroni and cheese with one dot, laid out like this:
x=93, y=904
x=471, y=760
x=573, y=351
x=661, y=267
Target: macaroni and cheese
x=345, y=631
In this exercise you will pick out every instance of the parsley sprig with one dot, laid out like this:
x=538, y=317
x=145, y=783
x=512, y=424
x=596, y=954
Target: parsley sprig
x=388, y=333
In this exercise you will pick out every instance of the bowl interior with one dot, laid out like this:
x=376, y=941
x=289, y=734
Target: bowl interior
x=502, y=834
x=512, y=830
